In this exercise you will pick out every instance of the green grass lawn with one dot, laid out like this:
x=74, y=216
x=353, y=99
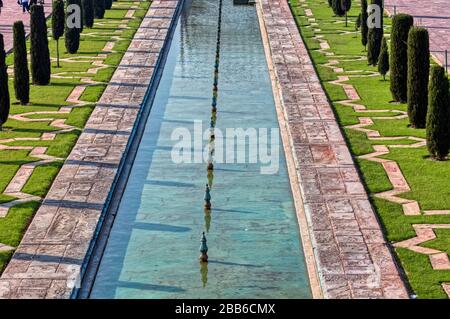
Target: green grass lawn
x=51, y=98
x=429, y=181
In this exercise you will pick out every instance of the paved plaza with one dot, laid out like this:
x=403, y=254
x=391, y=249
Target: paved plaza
x=433, y=15
x=12, y=12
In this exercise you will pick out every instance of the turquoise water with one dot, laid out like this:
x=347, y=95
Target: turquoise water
x=253, y=237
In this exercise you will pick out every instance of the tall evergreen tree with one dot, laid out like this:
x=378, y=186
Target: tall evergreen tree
x=383, y=60
x=80, y=5
x=72, y=39
x=108, y=4
x=358, y=22
x=375, y=37
x=418, y=76
x=21, y=73
x=4, y=89
x=58, y=22
x=338, y=9
x=346, y=6
x=401, y=23
x=99, y=9
x=40, y=55
x=88, y=13
x=364, y=27
x=438, y=118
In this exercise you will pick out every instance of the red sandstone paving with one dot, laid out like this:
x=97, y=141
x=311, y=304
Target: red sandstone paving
x=431, y=14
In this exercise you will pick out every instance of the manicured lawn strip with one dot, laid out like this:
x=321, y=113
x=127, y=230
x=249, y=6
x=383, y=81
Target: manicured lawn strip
x=428, y=179
x=51, y=98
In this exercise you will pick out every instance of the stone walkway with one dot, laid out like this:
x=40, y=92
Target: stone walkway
x=431, y=14
x=11, y=12
x=352, y=256
x=47, y=263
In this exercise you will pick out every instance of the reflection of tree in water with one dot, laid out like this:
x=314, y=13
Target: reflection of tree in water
x=199, y=17
x=204, y=260
x=210, y=178
x=207, y=219
x=204, y=272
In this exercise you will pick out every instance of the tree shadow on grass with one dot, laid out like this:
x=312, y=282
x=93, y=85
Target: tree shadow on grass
x=32, y=130
x=18, y=162
x=38, y=104
x=64, y=84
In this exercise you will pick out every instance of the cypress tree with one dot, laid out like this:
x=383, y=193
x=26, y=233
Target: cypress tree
x=4, y=89
x=401, y=23
x=21, y=73
x=88, y=13
x=72, y=39
x=364, y=27
x=383, y=60
x=438, y=118
x=358, y=22
x=346, y=6
x=338, y=9
x=99, y=9
x=40, y=55
x=78, y=3
x=418, y=74
x=108, y=4
x=375, y=37
x=58, y=21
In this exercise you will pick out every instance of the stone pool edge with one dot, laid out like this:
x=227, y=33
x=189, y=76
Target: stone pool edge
x=51, y=258
x=346, y=253
x=308, y=252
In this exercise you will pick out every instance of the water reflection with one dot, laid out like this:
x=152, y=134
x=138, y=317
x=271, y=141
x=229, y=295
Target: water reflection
x=207, y=219
x=210, y=177
x=255, y=251
x=204, y=273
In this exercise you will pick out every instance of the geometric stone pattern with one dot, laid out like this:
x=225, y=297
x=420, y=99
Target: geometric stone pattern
x=439, y=260
x=48, y=260
x=351, y=253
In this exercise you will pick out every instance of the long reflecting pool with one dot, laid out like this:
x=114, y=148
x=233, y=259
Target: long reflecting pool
x=252, y=230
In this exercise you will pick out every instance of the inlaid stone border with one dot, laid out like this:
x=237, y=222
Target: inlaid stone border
x=351, y=255
x=55, y=249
